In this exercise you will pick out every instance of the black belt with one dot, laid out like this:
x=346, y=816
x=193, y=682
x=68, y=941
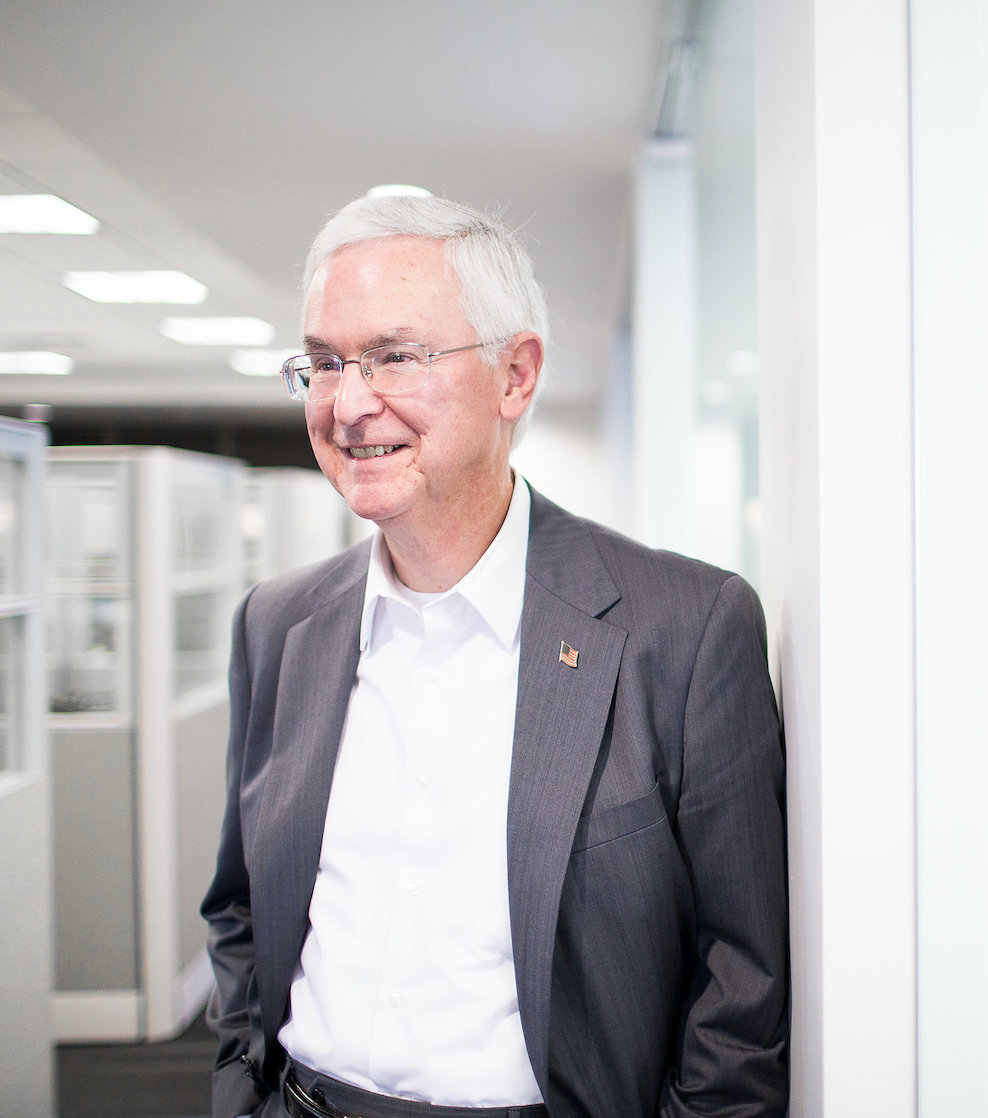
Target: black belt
x=332, y=1099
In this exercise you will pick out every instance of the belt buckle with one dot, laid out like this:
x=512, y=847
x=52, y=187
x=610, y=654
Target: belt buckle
x=314, y=1103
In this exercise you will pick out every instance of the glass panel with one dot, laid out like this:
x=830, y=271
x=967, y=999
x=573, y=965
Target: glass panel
x=88, y=661
x=256, y=531
x=725, y=449
x=86, y=506
x=201, y=638
x=11, y=516
x=695, y=361
x=11, y=655
x=201, y=537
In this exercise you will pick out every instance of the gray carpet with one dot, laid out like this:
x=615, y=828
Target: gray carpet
x=165, y=1080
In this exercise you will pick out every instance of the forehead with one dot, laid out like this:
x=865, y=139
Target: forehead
x=391, y=283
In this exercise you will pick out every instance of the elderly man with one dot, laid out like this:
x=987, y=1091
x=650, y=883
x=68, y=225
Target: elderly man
x=504, y=834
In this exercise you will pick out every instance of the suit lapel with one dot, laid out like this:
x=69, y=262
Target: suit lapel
x=559, y=724
x=317, y=672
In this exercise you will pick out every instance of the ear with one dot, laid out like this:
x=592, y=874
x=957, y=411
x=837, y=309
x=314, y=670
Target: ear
x=524, y=362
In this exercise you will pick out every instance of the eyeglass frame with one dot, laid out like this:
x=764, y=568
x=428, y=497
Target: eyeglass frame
x=365, y=370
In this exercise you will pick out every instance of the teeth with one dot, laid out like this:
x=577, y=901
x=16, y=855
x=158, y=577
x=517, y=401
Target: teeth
x=370, y=451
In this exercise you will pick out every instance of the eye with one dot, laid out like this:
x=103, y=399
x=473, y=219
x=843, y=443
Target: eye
x=324, y=363
x=395, y=368
x=397, y=357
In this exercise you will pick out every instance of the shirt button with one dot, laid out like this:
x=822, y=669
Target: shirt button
x=422, y=782
x=396, y=1000
x=414, y=888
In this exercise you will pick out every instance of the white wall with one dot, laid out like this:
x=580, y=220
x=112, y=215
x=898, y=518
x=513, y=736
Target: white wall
x=832, y=102
x=950, y=192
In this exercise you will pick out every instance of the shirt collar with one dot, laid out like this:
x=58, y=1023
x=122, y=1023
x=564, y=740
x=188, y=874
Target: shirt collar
x=495, y=586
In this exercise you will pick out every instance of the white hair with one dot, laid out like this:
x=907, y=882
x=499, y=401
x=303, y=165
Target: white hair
x=498, y=290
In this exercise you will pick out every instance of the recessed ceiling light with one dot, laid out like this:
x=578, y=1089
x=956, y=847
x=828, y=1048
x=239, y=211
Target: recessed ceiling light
x=218, y=331
x=136, y=287
x=43, y=213
x=398, y=190
x=36, y=362
x=260, y=362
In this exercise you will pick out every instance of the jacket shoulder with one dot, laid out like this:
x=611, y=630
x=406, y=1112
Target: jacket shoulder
x=663, y=591
x=282, y=601
x=635, y=568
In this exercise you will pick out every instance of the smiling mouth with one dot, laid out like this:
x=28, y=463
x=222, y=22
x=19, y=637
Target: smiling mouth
x=371, y=451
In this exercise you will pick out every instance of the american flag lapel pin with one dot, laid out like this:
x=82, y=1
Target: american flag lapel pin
x=568, y=655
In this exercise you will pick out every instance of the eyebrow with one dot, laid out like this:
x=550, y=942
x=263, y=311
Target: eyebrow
x=399, y=334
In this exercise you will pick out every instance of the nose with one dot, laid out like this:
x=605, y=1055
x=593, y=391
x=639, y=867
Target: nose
x=354, y=399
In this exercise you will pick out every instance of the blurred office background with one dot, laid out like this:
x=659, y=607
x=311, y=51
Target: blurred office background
x=761, y=226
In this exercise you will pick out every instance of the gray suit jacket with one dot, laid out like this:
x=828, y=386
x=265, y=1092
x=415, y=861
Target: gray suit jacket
x=645, y=828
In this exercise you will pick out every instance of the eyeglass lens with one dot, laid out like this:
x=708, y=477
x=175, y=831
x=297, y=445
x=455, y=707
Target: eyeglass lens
x=389, y=370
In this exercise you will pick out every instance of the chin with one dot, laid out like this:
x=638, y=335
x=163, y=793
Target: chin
x=369, y=506
x=378, y=499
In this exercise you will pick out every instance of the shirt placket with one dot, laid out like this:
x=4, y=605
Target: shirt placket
x=419, y=860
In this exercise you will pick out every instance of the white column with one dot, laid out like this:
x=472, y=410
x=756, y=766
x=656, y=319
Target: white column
x=950, y=204
x=837, y=498
x=156, y=792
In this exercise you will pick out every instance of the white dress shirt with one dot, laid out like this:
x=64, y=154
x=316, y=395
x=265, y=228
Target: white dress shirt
x=406, y=982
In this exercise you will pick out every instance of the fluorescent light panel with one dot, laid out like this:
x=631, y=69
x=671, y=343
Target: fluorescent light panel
x=260, y=362
x=218, y=331
x=35, y=363
x=136, y=287
x=43, y=213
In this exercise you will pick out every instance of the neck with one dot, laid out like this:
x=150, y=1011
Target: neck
x=436, y=557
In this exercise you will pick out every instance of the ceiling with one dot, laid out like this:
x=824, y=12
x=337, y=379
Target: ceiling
x=214, y=136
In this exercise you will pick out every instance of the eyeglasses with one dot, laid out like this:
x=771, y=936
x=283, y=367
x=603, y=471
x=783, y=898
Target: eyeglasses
x=390, y=370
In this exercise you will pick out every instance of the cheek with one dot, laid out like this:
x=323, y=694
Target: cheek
x=320, y=430
x=318, y=421
x=413, y=417
x=319, y=424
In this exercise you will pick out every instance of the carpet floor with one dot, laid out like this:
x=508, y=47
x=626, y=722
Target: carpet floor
x=169, y=1079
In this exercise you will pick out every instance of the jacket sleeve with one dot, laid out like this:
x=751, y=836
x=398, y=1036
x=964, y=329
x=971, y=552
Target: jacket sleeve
x=732, y=1051
x=233, y=1011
